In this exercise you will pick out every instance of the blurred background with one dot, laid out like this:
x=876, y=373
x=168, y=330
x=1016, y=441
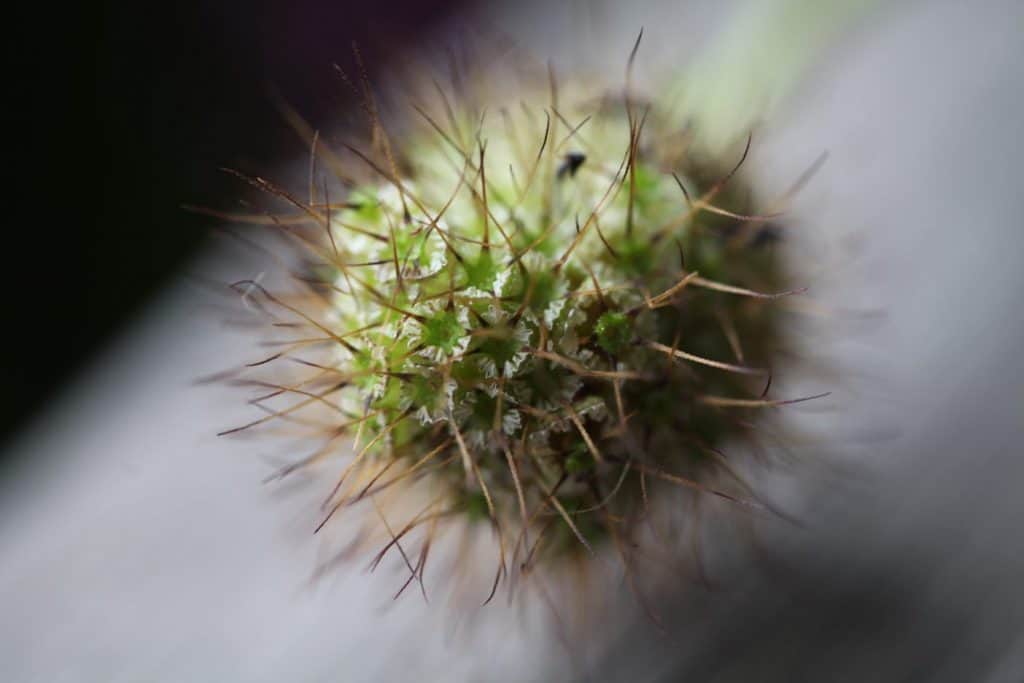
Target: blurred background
x=122, y=113
x=136, y=546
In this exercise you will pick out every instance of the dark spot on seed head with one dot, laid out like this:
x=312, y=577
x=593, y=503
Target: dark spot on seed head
x=570, y=164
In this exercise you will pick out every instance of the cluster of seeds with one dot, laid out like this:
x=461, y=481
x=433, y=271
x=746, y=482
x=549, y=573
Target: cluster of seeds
x=542, y=319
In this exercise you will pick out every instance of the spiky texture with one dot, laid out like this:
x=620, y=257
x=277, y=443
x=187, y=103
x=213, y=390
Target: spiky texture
x=541, y=320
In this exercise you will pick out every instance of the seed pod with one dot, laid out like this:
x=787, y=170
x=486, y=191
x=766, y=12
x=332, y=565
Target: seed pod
x=546, y=321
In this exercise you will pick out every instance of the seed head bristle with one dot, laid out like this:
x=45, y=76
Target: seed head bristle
x=512, y=338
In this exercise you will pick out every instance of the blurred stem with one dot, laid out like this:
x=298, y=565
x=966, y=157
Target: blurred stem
x=757, y=61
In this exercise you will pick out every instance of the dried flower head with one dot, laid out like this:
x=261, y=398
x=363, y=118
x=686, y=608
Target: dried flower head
x=544, y=318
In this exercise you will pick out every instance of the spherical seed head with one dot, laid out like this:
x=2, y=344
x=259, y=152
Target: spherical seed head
x=540, y=317
x=539, y=304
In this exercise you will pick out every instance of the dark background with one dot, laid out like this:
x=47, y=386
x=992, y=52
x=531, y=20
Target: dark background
x=123, y=112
